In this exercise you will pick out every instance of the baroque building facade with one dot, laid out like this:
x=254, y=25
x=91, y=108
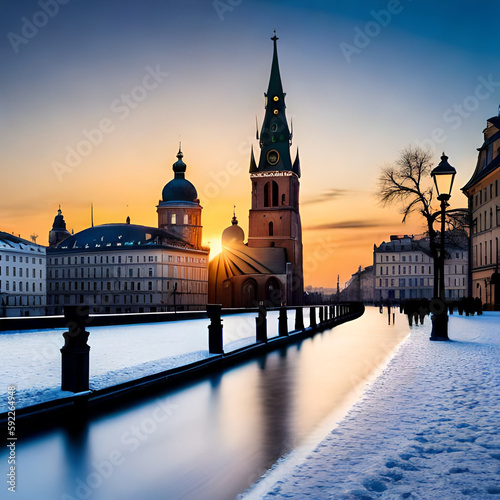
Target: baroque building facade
x=482, y=191
x=404, y=269
x=121, y=268
x=268, y=267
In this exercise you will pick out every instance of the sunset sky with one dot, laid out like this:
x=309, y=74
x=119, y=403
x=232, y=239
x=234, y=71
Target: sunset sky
x=363, y=80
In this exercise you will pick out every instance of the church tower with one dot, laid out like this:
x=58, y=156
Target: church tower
x=58, y=232
x=179, y=210
x=274, y=219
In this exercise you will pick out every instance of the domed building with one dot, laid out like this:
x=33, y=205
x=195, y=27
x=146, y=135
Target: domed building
x=242, y=276
x=179, y=210
x=120, y=268
x=58, y=232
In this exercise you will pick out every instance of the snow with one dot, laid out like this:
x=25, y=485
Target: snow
x=117, y=353
x=427, y=428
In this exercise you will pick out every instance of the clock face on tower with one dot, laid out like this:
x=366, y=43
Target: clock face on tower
x=273, y=157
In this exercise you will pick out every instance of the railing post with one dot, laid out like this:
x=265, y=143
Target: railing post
x=261, y=324
x=299, y=318
x=75, y=357
x=283, y=323
x=215, y=342
x=312, y=316
x=320, y=314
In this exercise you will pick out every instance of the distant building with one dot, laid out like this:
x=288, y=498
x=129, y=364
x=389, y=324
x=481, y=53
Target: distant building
x=119, y=268
x=484, y=205
x=360, y=288
x=58, y=232
x=22, y=277
x=268, y=268
x=404, y=269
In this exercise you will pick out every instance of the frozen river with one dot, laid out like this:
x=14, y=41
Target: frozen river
x=214, y=437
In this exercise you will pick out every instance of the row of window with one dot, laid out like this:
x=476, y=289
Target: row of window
x=196, y=273
x=15, y=286
x=385, y=258
x=422, y=282
x=482, y=196
x=20, y=259
x=18, y=272
x=112, y=259
x=487, y=254
x=24, y=300
x=192, y=286
x=480, y=223
x=404, y=268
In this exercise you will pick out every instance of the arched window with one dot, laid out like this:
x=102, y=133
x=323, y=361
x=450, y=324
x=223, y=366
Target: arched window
x=266, y=194
x=174, y=219
x=186, y=219
x=271, y=229
x=283, y=199
x=275, y=194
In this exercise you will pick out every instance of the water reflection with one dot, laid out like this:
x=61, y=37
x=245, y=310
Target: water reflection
x=213, y=438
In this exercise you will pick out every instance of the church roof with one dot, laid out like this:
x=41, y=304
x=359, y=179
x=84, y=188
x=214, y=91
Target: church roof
x=114, y=236
x=238, y=259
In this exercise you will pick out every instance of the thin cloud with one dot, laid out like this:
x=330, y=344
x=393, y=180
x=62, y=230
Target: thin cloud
x=328, y=195
x=352, y=224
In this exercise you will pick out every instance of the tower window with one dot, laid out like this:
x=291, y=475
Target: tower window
x=283, y=199
x=275, y=194
x=266, y=194
x=186, y=219
x=271, y=229
x=173, y=219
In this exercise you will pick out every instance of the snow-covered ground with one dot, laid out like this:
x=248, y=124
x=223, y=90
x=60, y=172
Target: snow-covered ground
x=427, y=428
x=32, y=359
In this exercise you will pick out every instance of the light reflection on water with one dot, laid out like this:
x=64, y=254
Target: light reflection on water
x=214, y=438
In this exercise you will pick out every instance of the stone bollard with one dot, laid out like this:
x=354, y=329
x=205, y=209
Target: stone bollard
x=261, y=325
x=75, y=354
x=283, y=323
x=312, y=316
x=215, y=345
x=299, y=318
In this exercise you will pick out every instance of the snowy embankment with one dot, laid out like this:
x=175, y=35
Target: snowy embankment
x=428, y=427
x=118, y=354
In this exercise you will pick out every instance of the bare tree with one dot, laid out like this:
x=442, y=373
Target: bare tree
x=409, y=184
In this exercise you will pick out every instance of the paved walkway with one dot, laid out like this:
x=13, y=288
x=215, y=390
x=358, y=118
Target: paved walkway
x=428, y=428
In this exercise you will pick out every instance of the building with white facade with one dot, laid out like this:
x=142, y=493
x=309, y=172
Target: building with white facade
x=120, y=268
x=404, y=269
x=22, y=277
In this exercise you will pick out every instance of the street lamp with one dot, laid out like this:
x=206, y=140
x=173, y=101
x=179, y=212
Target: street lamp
x=443, y=176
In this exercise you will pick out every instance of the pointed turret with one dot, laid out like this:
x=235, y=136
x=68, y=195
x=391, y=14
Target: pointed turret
x=253, y=165
x=296, y=164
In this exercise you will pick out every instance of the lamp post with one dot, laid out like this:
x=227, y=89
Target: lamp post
x=443, y=176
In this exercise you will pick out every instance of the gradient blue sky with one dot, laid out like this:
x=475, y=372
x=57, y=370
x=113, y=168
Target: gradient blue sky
x=350, y=117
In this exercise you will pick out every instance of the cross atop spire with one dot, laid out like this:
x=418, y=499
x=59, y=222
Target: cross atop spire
x=274, y=38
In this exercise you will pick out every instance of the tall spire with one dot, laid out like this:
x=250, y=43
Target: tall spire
x=275, y=134
x=275, y=87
